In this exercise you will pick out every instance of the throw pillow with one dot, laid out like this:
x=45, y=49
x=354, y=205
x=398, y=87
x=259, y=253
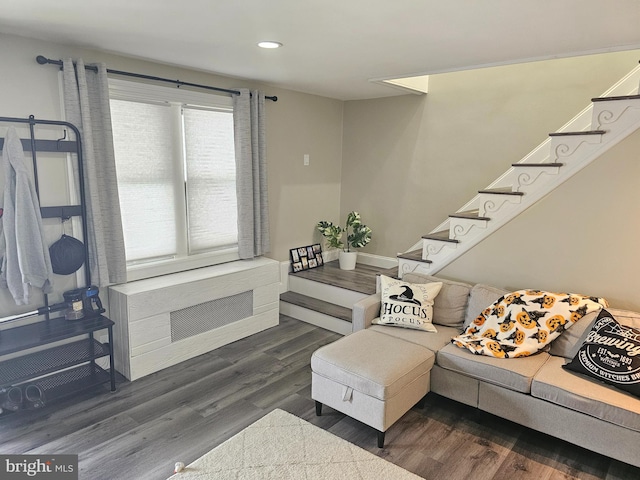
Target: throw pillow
x=611, y=354
x=450, y=305
x=408, y=305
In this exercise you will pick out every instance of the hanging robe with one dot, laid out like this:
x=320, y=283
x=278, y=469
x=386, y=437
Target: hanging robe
x=25, y=259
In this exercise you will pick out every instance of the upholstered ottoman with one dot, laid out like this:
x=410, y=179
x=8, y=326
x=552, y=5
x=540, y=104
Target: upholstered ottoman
x=372, y=377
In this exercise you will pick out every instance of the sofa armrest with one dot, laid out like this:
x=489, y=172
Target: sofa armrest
x=365, y=311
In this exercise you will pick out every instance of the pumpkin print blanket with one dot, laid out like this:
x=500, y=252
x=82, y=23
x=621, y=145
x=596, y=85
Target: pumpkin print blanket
x=523, y=322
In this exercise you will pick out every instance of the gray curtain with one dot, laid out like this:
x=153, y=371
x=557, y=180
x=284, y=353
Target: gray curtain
x=86, y=103
x=251, y=173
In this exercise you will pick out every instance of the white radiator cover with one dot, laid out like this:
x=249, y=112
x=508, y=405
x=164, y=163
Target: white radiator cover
x=166, y=320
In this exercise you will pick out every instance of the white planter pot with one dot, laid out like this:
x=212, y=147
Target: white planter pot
x=347, y=260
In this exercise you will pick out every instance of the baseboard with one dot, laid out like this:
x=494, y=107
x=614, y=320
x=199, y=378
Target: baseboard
x=364, y=258
x=377, y=260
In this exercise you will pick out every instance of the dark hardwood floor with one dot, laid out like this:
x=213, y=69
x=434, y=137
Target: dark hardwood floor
x=182, y=412
x=362, y=279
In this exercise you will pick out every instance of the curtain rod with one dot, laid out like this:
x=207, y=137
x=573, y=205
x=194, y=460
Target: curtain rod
x=44, y=61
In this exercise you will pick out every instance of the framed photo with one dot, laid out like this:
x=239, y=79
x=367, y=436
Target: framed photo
x=305, y=258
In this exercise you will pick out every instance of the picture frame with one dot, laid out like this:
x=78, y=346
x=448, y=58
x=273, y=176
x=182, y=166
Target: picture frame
x=306, y=258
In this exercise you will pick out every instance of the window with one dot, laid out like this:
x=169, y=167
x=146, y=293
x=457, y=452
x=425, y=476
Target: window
x=175, y=163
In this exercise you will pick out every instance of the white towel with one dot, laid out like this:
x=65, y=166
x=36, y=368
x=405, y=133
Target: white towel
x=26, y=259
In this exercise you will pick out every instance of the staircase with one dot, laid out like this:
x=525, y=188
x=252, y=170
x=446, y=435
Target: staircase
x=604, y=123
x=324, y=296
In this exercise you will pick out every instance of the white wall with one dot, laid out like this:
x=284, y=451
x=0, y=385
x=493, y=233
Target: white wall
x=406, y=162
x=410, y=161
x=297, y=124
x=581, y=238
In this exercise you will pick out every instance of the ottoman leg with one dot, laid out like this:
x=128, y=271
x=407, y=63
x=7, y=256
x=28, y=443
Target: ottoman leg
x=380, y=439
x=318, y=408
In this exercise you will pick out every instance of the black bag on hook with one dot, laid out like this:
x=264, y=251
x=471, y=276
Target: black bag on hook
x=67, y=255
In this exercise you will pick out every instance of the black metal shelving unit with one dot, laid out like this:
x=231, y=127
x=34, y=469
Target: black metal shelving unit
x=66, y=368
x=61, y=369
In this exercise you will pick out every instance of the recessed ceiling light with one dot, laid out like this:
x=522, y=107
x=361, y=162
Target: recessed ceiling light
x=269, y=44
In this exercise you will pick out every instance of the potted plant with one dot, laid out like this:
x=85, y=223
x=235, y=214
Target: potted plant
x=358, y=235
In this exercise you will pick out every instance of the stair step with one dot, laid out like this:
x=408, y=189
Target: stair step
x=501, y=191
x=415, y=255
x=589, y=135
x=621, y=97
x=442, y=236
x=586, y=132
x=537, y=164
x=317, y=305
x=470, y=214
x=361, y=280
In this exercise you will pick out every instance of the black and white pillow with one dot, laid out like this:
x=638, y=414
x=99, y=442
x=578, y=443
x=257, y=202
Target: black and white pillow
x=610, y=353
x=408, y=305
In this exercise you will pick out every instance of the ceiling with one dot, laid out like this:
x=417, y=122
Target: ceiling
x=333, y=48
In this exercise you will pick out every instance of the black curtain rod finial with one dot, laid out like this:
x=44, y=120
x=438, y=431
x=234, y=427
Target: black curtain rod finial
x=42, y=60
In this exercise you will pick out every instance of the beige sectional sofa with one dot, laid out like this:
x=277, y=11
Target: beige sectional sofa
x=533, y=391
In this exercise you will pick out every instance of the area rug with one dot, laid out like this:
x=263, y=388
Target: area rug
x=284, y=447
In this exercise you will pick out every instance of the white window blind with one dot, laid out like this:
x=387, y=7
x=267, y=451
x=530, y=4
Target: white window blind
x=211, y=179
x=175, y=162
x=142, y=142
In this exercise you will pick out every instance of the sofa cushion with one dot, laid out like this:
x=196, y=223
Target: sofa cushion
x=480, y=297
x=372, y=363
x=408, y=305
x=432, y=341
x=625, y=317
x=514, y=373
x=450, y=306
x=568, y=344
x=583, y=394
x=610, y=353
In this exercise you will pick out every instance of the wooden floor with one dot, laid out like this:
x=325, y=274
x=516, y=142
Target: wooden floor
x=362, y=279
x=182, y=412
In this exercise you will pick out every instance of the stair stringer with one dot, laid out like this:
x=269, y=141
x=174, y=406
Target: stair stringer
x=618, y=119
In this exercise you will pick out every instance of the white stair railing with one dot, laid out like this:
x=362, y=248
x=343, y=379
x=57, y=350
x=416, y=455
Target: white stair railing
x=618, y=118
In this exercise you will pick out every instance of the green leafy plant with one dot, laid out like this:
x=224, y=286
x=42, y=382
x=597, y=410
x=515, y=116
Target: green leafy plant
x=358, y=234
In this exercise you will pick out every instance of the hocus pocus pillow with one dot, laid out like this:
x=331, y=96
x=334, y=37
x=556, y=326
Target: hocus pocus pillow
x=408, y=305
